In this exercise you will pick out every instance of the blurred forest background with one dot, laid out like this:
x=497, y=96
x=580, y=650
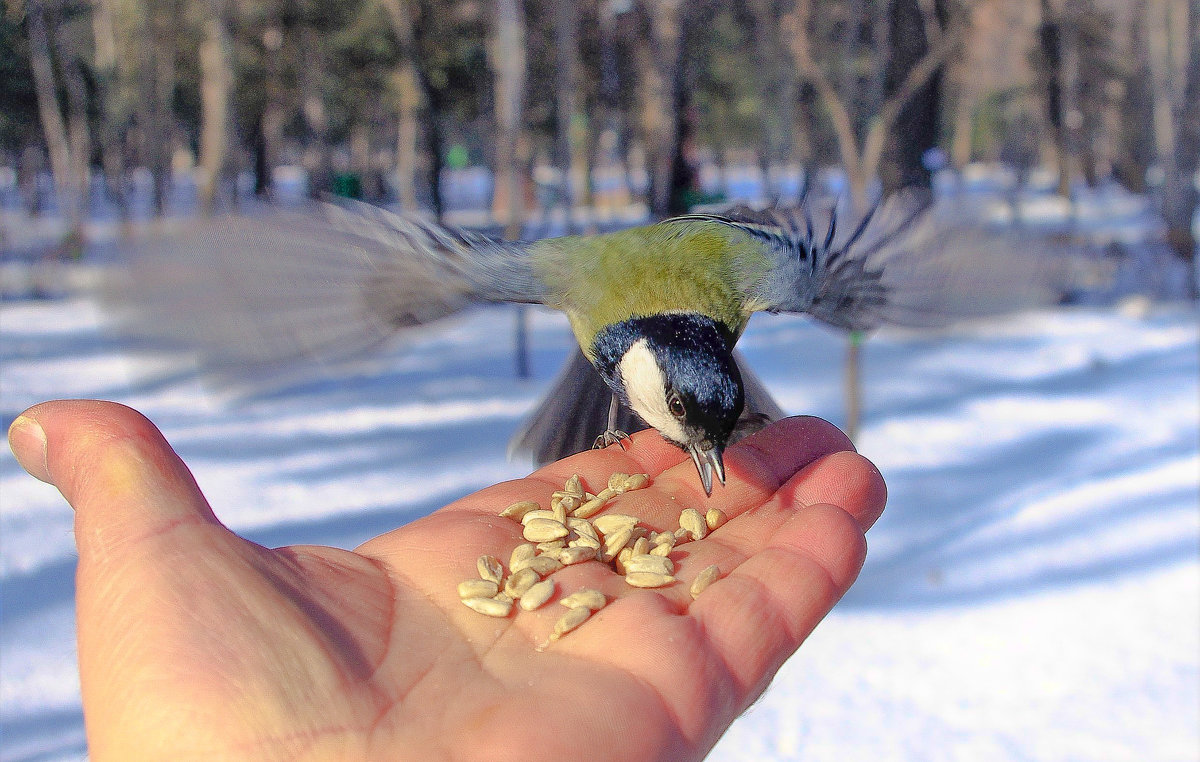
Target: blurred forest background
x=588, y=108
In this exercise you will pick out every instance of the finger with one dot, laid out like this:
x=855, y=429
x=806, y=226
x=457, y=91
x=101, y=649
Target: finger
x=113, y=467
x=847, y=480
x=759, y=464
x=758, y=613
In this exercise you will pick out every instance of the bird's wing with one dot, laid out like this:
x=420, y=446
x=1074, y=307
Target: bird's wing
x=272, y=292
x=903, y=262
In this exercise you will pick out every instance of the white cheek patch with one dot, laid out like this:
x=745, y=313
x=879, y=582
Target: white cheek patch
x=647, y=390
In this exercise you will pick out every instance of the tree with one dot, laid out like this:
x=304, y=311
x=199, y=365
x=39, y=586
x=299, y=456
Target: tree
x=69, y=142
x=658, y=60
x=861, y=160
x=1181, y=198
x=217, y=81
x=508, y=68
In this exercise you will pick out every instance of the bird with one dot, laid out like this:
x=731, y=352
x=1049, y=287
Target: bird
x=656, y=310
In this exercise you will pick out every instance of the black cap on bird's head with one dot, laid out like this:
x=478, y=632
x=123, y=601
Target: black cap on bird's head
x=676, y=371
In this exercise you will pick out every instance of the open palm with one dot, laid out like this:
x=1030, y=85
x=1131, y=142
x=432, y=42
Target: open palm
x=195, y=643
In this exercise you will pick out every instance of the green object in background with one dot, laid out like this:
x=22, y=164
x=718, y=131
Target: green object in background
x=457, y=157
x=347, y=185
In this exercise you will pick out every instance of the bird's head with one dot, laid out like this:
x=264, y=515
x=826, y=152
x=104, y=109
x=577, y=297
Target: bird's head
x=676, y=371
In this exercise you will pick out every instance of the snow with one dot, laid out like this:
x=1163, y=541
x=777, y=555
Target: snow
x=1032, y=591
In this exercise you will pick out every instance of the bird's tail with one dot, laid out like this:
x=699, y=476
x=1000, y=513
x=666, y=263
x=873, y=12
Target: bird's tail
x=575, y=411
x=269, y=294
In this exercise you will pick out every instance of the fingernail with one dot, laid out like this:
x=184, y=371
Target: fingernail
x=28, y=443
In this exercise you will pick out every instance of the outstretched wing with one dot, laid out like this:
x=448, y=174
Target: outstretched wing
x=276, y=291
x=903, y=262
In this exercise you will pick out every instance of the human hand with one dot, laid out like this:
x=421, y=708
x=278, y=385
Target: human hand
x=195, y=643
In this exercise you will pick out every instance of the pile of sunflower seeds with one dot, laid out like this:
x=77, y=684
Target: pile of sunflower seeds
x=565, y=534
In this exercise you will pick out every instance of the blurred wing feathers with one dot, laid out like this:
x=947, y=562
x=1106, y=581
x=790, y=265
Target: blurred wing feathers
x=905, y=262
x=277, y=291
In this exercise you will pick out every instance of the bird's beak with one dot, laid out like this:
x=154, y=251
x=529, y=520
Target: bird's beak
x=708, y=461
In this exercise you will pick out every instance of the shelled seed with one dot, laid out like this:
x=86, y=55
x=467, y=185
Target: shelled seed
x=694, y=523
x=489, y=606
x=520, y=553
x=706, y=577
x=519, y=582
x=544, y=530
x=536, y=596
x=648, y=563
x=587, y=597
x=613, y=522
x=715, y=518
x=477, y=588
x=543, y=565
x=570, y=621
x=576, y=555
x=490, y=568
x=519, y=509
x=648, y=579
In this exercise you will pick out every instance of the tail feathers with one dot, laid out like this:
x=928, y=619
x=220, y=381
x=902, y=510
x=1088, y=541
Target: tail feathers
x=268, y=295
x=575, y=411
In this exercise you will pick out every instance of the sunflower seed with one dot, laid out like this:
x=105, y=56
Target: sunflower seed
x=520, y=553
x=543, y=565
x=661, y=549
x=564, y=501
x=576, y=555
x=589, y=508
x=489, y=606
x=536, y=596
x=544, y=530
x=538, y=513
x=586, y=597
x=648, y=579
x=517, y=510
x=614, y=542
x=614, y=522
x=552, y=547
x=715, y=518
x=477, y=588
x=616, y=481
x=574, y=486
x=490, y=568
x=694, y=523
x=706, y=577
x=520, y=581
x=619, y=562
x=635, y=481
x=641, y=546
x=570, y=621
x=647, y=563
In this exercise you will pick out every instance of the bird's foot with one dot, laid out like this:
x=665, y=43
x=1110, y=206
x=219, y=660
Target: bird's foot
x=611, y=437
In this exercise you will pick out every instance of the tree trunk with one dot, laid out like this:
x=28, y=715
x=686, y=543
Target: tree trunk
x=216, y=71
x=407, y=81
x=158, y=97
x=113, y=110
x=1136, y=153
x=408, y=96
x=658, y=62
x=916, y=128
x=571, y=138
x=508, y=67
x=64, y=148
x=1181, y=197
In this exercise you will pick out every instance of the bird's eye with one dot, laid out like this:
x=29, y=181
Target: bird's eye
x=675, y=405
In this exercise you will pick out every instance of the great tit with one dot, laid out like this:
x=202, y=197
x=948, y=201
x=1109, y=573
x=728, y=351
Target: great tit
x=656, y=309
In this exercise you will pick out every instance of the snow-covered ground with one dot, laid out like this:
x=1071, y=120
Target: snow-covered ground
x=1032, y=592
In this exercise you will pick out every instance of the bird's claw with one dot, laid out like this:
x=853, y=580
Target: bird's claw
x=610, y=437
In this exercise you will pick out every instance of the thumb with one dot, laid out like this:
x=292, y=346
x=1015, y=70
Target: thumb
x=112, y=465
